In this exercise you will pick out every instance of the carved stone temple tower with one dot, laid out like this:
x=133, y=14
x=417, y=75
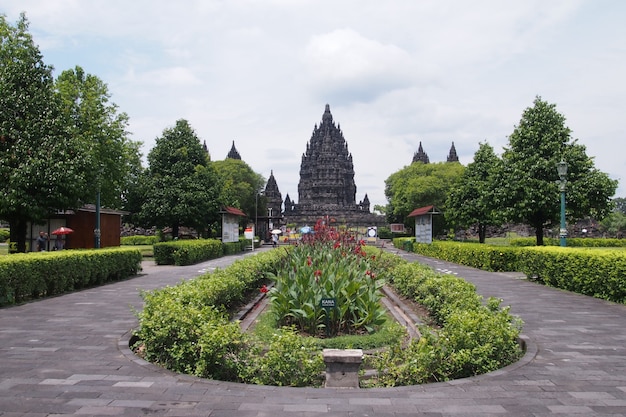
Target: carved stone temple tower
x=326, y=187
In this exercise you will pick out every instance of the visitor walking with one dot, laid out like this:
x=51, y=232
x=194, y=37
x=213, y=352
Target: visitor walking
x=42, y=241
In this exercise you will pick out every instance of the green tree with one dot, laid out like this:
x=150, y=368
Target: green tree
x=240, y=186
x=620, y=204
x=418, y=185
x=42, y=166
x=182, y=187
x=114, y=160
x=614, y=224
x=473, y=201
x=529, y=180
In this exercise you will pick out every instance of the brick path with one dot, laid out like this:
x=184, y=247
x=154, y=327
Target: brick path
x=69, y=355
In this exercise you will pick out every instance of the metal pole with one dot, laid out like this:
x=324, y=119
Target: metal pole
x=97, y=231
x=563, y=231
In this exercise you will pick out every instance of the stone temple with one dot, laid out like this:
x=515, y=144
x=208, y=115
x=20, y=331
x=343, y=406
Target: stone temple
x=326, y=189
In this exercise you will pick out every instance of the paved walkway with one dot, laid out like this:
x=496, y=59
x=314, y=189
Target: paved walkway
x=69, y=355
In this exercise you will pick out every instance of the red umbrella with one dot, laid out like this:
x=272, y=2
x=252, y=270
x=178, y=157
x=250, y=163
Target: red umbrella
x=63, y=231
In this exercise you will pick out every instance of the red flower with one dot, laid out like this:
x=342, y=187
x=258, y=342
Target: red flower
x=308, y=261
x=317, y=272
x=264, y=289
x=337, y=244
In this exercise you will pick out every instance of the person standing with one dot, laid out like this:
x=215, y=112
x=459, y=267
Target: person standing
x=42, y=241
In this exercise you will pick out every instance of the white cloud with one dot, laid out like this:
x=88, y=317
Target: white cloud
x=395, y=73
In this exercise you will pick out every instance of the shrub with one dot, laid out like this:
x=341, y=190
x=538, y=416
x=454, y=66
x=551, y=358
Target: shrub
x=187, y=252
x=41, y=274
x=138, y=240
x=473, y=338
x=4, y=235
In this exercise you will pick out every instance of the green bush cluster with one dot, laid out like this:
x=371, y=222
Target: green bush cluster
x=187, y=252
x=232, y=248
x=577, y=242
x=476, y=255
x=600, y=274
x=186, y=328
x=473, y=338
x=4, y=235
x=41, y=274
x=138, y=240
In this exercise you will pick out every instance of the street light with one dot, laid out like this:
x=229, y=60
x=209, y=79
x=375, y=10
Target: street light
x=561, y=168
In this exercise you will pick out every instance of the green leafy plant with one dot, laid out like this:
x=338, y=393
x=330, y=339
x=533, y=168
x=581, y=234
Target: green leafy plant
x=327, y=265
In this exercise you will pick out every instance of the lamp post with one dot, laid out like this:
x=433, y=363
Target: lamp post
x=561, y=168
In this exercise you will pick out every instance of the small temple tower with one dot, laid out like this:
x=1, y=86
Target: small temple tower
x=452, y=156
x=233, y=153
x=274, y=198
x=420, y=155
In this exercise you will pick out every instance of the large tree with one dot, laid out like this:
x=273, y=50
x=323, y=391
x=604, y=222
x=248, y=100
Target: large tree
x=114, y=160
x=182, y=187
x=240, y=186
x=418, y=185
x=530, y=182
x=473, y=201
x=42, y=165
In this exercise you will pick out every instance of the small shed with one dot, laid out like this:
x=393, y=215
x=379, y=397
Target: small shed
x=424, y=223
x=83, y=223
x=230, y=224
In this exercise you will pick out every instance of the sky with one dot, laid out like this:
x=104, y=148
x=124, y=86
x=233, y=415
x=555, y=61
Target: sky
x=395, y=73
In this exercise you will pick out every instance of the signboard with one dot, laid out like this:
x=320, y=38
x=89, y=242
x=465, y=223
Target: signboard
x=328, y=303
x=424, y=229
x=248, y=233
x=396, y=227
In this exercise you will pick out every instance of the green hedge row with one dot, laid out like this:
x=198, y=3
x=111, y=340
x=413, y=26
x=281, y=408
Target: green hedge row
x=572, y=242
x=41, y=274
x=473, y=337
x=139, y=240
x=187, y=252
x=599, y=274
x=187, y=329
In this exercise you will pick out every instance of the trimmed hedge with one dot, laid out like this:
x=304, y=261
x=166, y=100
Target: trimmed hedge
x=476, y=255
x=42, y=274
x=139, y=240
x=474, y=338
x=186, y=329
x=601, y=274
x=572, y=242
x=187, y=252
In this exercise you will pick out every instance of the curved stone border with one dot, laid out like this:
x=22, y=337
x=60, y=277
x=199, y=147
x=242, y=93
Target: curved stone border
x=528, y=346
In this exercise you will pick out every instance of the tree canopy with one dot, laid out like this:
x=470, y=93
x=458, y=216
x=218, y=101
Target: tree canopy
x=182, y=187
x=42, y=165
x=419, y=185
x=473, y=201
x=529, y=182
x=240, y=184
x=114, y=160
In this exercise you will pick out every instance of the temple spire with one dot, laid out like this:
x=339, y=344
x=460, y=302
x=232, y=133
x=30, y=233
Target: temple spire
x=233, y=153
x=452, y=156
x=420, y=155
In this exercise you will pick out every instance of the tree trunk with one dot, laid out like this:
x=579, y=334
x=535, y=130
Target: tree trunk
x=175, y=231
x=482, y=231
x=539, y=235
x=18, y=234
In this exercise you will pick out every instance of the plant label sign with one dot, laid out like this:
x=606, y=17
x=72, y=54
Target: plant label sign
x=328, y=303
